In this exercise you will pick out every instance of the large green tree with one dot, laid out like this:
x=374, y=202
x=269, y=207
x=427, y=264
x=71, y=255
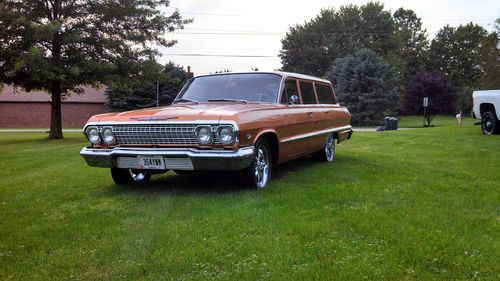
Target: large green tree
x=59, y=45
x=367, y=85
x=312, y=47
x=490, y=58
x=456, y=52
x=413, y=44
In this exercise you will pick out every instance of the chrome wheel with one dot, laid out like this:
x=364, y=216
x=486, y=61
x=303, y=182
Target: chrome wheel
x=489, y=123
x=330, y=148
x=261, y=165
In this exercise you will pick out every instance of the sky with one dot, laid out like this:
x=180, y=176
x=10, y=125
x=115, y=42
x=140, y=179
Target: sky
x=225, y=31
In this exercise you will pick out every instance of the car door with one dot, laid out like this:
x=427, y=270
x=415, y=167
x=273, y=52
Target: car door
x=298, y=122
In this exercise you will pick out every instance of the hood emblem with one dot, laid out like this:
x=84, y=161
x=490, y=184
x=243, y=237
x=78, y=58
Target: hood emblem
x=152, y=118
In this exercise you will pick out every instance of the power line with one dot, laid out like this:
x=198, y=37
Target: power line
x=230, y=33
x=298, y=15
x=223, y=55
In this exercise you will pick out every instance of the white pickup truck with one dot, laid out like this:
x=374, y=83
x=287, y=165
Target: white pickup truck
x=486, y=106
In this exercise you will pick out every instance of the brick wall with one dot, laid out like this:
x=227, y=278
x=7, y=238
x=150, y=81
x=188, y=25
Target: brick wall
x=37, y=114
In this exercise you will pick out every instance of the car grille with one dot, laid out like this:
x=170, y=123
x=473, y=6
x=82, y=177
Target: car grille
x=171, y=134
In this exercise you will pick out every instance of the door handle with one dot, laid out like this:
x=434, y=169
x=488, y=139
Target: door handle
x=309, y=113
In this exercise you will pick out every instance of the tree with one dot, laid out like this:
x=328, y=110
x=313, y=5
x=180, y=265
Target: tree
x=58, y=46
x=442, y=95
x=367, y=85
x=490, y=59
x=413, y=44
x=171, y=79
x=312, y=47
x=456, y=52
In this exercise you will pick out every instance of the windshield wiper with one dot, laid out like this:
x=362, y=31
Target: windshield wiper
x=185, y=100
x=230, y=100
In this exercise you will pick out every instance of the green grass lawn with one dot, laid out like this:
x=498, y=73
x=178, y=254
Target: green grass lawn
x=420, y=204
x=438, y=121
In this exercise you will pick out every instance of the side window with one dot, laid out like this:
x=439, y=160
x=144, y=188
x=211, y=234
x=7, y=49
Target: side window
x=290, y=90
x=307, y=92
x=325, y=94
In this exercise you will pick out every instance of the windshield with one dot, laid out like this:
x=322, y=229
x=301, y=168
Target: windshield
x=251, y=87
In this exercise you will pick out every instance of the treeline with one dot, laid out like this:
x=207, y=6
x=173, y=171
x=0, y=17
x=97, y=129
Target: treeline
x=383, y=63
x=166, y=81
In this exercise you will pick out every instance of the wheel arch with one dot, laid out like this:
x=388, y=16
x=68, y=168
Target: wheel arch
x=272, y=140
x=485, y=107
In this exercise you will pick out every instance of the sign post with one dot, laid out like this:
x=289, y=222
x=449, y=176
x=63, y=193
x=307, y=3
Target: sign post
x=426, y=104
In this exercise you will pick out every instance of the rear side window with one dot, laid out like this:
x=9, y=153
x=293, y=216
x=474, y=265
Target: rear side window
x=290, y=90
x=325, y=95
x=307, y=92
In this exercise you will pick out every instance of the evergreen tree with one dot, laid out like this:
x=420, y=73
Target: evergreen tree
x=367, y=85
x=58, y=46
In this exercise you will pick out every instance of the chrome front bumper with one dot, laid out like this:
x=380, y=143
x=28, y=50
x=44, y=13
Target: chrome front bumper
x=175, y=158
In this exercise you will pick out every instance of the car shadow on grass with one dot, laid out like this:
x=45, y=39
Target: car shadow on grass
x=214, y=182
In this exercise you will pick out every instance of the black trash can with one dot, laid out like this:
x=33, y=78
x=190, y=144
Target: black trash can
x=387, y=123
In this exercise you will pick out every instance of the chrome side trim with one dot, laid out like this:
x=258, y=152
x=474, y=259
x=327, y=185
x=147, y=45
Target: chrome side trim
x=317, y=133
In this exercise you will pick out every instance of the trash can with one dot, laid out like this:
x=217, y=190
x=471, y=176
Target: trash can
x=387, y=123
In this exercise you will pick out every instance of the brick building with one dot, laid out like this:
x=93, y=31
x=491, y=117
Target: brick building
x=19, y=109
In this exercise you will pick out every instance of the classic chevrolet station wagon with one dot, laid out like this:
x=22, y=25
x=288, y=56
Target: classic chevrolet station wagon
x=247, y=122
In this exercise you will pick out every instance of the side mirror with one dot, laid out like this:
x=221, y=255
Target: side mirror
x=293, y=99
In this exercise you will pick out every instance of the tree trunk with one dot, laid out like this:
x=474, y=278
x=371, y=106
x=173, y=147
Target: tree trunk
x=55, y=116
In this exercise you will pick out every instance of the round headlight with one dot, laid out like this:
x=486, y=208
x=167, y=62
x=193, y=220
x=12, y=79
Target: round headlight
x=204, y=135
x=226, y=135
x=93, y=135
x=107, y=135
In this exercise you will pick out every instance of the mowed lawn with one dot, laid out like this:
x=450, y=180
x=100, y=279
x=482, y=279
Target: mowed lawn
x=418, y=204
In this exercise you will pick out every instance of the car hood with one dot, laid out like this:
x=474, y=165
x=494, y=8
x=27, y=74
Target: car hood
x=183, y=112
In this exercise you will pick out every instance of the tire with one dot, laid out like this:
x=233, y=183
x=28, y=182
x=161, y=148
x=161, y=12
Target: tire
x=258, y=174
x=489, y=123
x=327, y=154
x=130, y=176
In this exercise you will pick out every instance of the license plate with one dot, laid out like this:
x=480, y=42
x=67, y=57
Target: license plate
x=151, y=162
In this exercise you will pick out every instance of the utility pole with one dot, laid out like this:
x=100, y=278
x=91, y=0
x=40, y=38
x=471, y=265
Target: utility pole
x=157, y=94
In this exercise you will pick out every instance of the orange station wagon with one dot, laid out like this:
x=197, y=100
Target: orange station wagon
x=247, y=122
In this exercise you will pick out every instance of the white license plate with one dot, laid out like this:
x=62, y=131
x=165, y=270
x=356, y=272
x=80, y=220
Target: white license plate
x=151, y=162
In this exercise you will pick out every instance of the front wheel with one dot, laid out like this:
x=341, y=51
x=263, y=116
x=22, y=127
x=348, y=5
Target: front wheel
x=259, y=172
x=489, y=123
x=327, y=154
x=130, y=176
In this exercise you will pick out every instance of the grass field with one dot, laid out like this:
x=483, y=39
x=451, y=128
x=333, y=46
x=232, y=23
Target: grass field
x=420, y=204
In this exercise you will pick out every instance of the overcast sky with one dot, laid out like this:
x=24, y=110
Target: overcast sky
x=255, y=28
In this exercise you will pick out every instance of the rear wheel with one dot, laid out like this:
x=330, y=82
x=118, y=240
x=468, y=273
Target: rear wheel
x=489, y=123
x=327, y=154
x=130, y=176
x=259, y=172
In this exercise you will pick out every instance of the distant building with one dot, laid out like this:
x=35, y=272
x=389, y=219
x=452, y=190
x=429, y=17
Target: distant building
x=19, y=109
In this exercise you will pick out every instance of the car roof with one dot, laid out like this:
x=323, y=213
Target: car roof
x=280, y=73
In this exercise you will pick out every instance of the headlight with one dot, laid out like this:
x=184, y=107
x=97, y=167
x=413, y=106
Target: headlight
x=107, y=135
x=204, y=135
x=93, y=135
x=226, y=135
